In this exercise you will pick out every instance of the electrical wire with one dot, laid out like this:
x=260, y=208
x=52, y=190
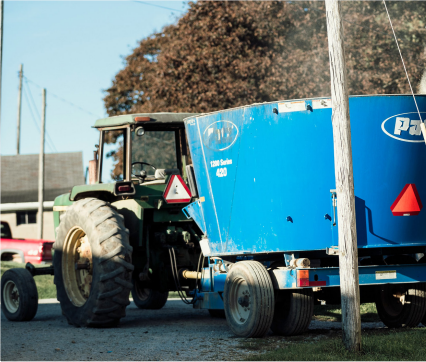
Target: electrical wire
x=403, y=63
x=158, y=6
x=175, y=274
x=48, y=139
x=183, y=297
x=62, y=99
x=52, y=148
x=198, y=268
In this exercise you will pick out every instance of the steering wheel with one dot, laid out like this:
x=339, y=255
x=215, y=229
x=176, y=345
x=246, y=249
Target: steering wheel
x=141, y=163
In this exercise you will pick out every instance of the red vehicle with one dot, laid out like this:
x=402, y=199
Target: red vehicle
x=24, y=250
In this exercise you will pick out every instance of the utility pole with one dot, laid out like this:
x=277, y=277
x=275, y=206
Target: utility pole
x=18, y=130
x=1, y=44
x=348, y=250
x=41, y=169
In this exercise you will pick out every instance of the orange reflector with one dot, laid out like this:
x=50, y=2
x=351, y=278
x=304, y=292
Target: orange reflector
x=303, y=278
x=142, y=119
x=124, y=188
x=408, y=202
x=302, y=274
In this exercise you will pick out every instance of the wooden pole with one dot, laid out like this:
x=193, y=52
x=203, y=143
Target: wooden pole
x=348, y=251
x=41, y=168
x=18, y=129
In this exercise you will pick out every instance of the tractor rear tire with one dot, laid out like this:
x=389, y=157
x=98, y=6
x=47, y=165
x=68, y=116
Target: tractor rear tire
x=146, y=298
x=248, y=299
x=401, y=305
x=19, y=296
x=93, y=265
x=293, y=312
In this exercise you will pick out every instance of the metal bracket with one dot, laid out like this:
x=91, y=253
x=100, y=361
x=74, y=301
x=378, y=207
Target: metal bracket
x=289, y=258
x=332, y=250
x=334, y=203
x=39, y=271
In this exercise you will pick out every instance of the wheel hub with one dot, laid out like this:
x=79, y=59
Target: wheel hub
x=11, y=297
x=77, y=266
x=393, y=299
x=84, y=275
x=143, y=293
x=240, y=301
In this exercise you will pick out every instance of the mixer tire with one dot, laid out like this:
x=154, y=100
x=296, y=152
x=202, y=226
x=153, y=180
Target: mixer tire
x=293, y=312
x=401, y=305
x=248, y=299
x=146, y=298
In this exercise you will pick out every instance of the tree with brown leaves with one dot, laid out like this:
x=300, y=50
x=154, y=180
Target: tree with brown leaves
x=227, y=54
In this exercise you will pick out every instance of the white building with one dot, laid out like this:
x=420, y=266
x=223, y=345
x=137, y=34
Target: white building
x=19, y=190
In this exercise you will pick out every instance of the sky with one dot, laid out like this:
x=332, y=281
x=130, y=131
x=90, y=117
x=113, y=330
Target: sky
x=73, y=49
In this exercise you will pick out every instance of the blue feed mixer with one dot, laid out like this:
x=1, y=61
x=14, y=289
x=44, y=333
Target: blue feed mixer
x=265, y=175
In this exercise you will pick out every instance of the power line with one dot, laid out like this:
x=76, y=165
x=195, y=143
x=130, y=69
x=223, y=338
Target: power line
x=35, y=107
x=63, y=100
x=158, y=6
x=48, y=139
x=403, y=63
x=32, y=114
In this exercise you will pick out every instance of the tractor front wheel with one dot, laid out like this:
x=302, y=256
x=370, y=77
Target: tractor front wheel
x=147, y=298
x=19, y=297
x=92, y=262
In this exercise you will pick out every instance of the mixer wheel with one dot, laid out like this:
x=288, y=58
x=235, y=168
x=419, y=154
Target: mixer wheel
x=293, y=312
x=400, y=305
x=248, y=299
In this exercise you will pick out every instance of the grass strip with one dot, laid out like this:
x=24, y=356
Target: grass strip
x=377, y=345
x=333, y=313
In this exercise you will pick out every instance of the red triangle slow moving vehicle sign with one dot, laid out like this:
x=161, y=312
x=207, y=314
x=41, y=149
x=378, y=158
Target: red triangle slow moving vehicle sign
x=176, y=191
x=408, y=202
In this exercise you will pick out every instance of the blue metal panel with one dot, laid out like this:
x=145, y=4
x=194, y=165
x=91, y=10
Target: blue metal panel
x=212, y=281
x=368, y=275
x=208, y=300
x=195, y=211
x=266, y=177
x=286, y=278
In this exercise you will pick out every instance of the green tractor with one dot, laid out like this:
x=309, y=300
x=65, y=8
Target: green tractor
x=126, y=232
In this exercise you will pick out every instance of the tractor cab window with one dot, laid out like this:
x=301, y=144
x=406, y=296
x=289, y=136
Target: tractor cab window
x=113, y=153
x=153, y=150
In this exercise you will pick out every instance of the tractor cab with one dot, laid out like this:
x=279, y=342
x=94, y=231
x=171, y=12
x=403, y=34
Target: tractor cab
x=148, y=148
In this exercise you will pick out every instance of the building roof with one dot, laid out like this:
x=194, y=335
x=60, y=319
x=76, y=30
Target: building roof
x=155, y=118
x=19, y=176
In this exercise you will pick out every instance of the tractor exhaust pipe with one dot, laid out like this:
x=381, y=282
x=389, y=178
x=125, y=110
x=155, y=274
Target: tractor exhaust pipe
x=93, y=169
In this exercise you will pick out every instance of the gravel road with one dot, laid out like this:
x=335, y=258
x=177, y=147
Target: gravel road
x=176, y=332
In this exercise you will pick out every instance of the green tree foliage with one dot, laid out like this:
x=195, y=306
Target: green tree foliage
x=227, y=54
